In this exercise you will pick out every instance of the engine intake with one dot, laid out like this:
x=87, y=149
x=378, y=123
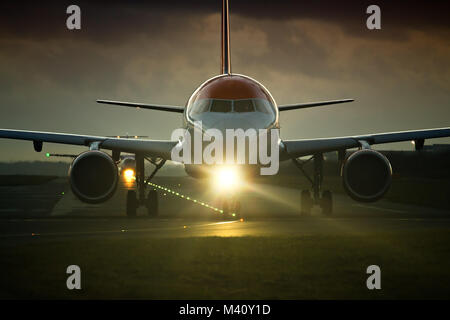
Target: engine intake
x=367, y=175
x=93, y=176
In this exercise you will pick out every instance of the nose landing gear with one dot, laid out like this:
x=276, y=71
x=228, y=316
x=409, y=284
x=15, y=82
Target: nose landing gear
x=231, y=207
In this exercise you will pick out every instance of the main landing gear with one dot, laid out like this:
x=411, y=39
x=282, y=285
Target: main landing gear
x=324, y=199
x=137, y=198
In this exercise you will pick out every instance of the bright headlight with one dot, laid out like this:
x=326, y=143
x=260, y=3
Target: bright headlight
x=227, y=178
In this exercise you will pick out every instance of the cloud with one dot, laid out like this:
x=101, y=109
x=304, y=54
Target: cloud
x=106, y=21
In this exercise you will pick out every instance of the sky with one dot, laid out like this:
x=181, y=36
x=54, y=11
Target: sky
x=161, y=51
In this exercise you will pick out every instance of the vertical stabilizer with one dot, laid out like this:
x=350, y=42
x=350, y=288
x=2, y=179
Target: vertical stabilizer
x=226, y=59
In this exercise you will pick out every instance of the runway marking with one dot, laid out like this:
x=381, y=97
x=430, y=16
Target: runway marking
x=224, y=222
x=378, y=208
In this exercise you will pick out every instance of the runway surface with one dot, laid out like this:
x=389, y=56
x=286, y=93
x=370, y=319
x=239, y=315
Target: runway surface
x=50, y=211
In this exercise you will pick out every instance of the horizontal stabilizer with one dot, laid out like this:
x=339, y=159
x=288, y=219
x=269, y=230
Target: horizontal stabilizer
x=144, y=106
x=311, y=104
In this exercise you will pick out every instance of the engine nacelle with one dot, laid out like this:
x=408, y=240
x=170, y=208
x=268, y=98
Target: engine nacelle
x=93, y=176
x=367, y=175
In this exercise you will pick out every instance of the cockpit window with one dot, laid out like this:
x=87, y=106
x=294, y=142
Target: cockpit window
x=263, y=106
x=244, y=105
x=221, y=105
x=203, y=106
x=200, y=106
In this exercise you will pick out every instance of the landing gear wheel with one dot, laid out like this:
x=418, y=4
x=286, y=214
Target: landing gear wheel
x=152, y=203
x=306, y=203
x=132, y=203
x=327, y=203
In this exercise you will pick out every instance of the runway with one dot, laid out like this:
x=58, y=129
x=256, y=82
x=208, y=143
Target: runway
x=267, y=211
x=190, y=252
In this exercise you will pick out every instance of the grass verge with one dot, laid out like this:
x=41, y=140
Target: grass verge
x=414, y=265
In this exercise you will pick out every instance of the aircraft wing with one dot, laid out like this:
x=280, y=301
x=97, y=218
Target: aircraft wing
x=151, y=148
x=304, y=147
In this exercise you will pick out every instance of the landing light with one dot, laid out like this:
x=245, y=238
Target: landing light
x=128, y=175
x=227, y=178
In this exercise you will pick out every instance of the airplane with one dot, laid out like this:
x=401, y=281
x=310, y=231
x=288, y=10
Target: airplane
x=228, y=100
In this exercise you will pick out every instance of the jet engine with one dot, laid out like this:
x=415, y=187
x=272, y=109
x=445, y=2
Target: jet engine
x=367, y=175
x=93, y=176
